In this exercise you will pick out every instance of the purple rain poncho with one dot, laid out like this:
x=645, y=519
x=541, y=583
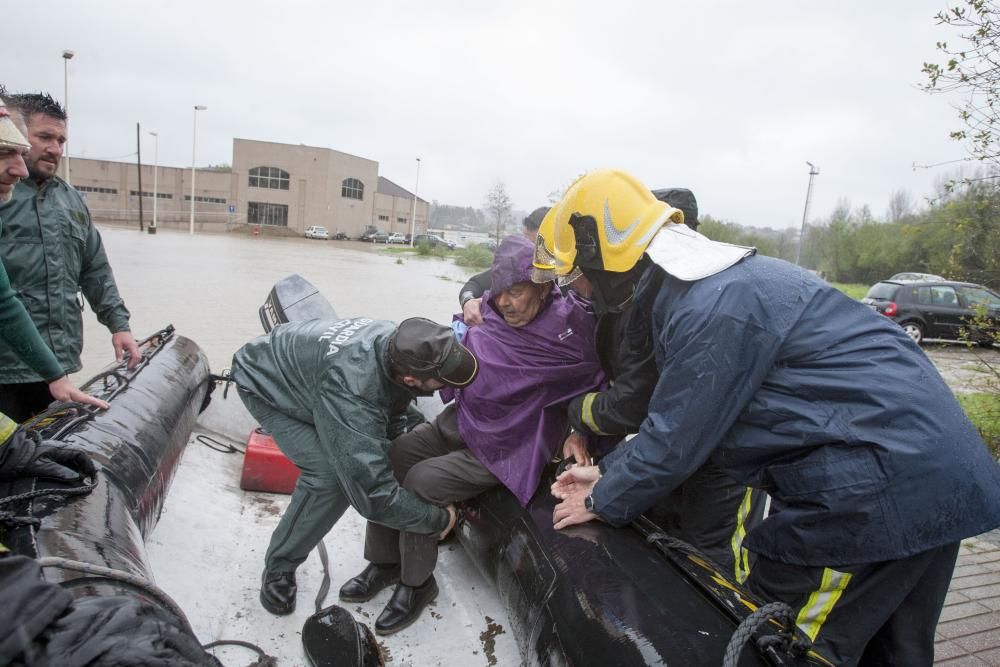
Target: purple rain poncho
x=513, y=417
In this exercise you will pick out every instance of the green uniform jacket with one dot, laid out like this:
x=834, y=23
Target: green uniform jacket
x=51, y=249
x=333, y=374
x=19, y=334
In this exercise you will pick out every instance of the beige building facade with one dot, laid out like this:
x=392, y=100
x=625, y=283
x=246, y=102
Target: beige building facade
x=278, y=188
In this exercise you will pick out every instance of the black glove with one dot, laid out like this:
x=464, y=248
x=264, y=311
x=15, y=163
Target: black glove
x=25, y=454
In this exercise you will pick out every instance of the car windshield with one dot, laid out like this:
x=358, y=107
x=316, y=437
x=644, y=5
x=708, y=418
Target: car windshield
x=886, y=291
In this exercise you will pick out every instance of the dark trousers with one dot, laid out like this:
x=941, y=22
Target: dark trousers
x=433, y=463
x=24, y=400
x=871, y=614
x=317, y=499
x=713, y=513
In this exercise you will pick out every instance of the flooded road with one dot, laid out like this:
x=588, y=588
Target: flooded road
x=209, y=286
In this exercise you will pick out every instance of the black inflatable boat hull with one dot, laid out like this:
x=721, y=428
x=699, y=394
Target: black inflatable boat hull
x=137, y=445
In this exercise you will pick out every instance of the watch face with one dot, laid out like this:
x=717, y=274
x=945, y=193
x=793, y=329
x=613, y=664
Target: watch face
x=588, y=503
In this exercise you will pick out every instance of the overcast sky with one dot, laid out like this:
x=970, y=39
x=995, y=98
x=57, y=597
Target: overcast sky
x=727, y=98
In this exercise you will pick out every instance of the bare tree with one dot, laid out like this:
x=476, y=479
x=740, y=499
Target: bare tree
x=900, y=206
x=972, y=70
x=498, y=203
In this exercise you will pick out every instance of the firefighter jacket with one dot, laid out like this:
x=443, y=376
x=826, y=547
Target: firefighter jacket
x=792, y=387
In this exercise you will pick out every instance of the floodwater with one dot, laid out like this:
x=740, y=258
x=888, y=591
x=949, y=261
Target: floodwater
x=209, y=286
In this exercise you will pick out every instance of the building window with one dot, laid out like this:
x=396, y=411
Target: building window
x=383, y=218
x=269, y=177
x=401, y=221
x=206, y=200
x=259, y=213
x=159, y=195
x=352, y=188
x=103, y=191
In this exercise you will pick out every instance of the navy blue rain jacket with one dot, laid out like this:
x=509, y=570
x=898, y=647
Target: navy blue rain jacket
x=792, y=387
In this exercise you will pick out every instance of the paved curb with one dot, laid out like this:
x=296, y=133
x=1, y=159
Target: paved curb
x=968, y=633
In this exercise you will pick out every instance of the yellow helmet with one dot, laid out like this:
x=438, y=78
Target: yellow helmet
x=605, y=221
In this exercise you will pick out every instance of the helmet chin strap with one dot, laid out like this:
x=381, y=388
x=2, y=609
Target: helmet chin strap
x=614, y=291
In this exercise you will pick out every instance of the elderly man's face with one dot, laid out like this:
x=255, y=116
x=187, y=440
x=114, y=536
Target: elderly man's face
x=12, y=169
x=520, y=303
x=47, y=135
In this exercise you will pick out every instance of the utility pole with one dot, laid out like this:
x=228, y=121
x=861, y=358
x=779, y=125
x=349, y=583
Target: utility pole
x=138, y=160
x=413, y=213
x=813, y=172
x=67, y=54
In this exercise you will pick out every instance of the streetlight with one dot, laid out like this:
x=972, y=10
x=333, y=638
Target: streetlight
x=67, y=54
x=413, y=216
x=194, y=146
x=156, y=169
x=813, y=172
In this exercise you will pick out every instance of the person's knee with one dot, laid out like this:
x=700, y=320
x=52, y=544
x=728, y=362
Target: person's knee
x=424, y=480
x=402, y=451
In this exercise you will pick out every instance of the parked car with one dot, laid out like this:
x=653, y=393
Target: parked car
x=433, y=240
x=317, y=232
x=397, y=238
x=935, y=308
x=375, y=236
x=912, y=277
x=489, y=244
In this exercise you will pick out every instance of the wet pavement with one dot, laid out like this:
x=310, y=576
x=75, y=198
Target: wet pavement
x=210, y=287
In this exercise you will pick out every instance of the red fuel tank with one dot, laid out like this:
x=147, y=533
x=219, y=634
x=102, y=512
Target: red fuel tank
x=265, y=468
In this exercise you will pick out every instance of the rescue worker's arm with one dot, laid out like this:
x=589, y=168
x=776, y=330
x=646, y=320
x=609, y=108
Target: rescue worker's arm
x=708, y=377
x=470, y=297
x=97, y=282
x=353, y=433
x=19, y=333
x=621, y=408
x=401, y=423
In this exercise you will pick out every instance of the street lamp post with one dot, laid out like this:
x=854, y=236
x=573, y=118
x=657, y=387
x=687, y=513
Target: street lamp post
x=67, y=54
x=413, y=213
x=156, y=170
x=194, y=148
x=813, y=172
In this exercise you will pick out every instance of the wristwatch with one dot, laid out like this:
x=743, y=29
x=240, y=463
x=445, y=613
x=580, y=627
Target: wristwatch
x=588, y=504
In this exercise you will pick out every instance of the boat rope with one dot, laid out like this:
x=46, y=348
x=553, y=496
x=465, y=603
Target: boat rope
x=158, y=594
x=224, y=378
x=9, y=518
x=324, y=586
x=263, y=659
x=117, y=575
x=783, y=642
x=217, y=445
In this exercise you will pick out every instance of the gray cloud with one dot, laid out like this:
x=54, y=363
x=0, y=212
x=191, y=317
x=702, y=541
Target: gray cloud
x=727, y=98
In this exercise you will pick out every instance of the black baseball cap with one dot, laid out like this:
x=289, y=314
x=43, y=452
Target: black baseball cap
x=426, y=349
x=534, y=219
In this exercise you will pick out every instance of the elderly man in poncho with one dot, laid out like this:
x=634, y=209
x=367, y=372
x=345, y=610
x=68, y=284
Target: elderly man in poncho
x=536, y=352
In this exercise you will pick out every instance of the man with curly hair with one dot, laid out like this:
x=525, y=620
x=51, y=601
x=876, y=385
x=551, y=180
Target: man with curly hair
x=51, y=250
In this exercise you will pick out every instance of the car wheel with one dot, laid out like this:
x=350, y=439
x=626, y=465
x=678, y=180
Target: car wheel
x=914, y=331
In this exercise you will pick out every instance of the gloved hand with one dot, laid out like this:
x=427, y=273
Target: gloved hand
x=25, y=454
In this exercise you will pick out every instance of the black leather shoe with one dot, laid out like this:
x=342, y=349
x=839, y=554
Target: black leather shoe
x=277, y=592
x=366, y=585
x=404, y=606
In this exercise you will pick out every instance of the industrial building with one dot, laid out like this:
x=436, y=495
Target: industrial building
x=281, y=187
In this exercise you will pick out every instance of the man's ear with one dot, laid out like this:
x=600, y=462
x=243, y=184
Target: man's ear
x=409, y=381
